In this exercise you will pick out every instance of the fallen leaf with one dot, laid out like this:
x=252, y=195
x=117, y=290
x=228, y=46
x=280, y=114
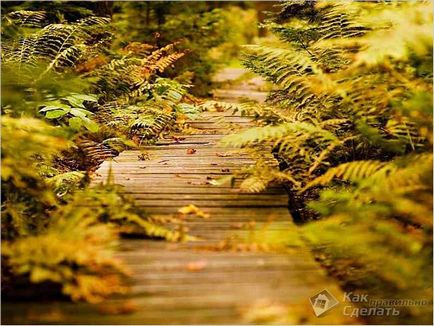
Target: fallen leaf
x=191, y=151
x=178, y=139
x=196, y=266
x=122, y=308
x=192, y=209
x=197, y=183
x=144, y=157
x=223, y=154
x=202, y=214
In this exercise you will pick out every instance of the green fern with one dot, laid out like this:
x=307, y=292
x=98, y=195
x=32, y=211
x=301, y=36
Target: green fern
x=132, y=76
x=352, y=171
x=27, y=18
x=59, y=46
x=352, y=130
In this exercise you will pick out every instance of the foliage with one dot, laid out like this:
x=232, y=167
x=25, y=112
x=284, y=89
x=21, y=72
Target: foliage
x=24, y=192
x=66, y=183
x=40, y=238
x=113, y=207
x=327, y=110
x=198, y=28
x=71, y=109
x=132, y=74
x=56, y=45
x=350, y=121
x=69, y=103
x=242, y=31
x=75, y=251
x=137, y=102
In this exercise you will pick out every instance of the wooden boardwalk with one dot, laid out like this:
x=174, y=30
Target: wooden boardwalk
x=192, y=283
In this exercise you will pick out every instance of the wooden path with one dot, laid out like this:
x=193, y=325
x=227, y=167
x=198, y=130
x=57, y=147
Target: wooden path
x=186, y=283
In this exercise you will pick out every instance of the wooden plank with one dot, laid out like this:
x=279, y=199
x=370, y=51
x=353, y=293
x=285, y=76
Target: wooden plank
x=152, y=204
x=210, y=163
x=194, y=190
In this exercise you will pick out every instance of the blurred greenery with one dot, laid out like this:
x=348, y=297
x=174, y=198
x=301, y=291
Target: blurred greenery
x=205, y=31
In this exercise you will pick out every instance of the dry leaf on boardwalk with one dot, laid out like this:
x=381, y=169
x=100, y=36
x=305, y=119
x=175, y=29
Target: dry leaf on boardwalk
x=178, y=139
x=223, y=154
x=123, y=308
x=196, y=266
x=144, y=157
x=192, y=210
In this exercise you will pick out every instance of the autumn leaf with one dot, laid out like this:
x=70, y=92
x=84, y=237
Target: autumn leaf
x=192, y=210
x=222, y=154
x=122, y=308
x=178, y=139
x=196, y=266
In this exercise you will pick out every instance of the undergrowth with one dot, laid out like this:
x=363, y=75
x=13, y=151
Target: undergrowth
x=70, y=101
x=350, y=122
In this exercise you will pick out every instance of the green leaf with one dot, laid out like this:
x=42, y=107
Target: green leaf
x=75, y=123
x=89, y=124
x=77, y=100
x=80, y=112
x=54, y=114
x=54, y=105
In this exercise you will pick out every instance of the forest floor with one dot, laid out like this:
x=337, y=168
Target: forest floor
x=222, y=278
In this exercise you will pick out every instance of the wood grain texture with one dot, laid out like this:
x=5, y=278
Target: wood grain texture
x=192, y=283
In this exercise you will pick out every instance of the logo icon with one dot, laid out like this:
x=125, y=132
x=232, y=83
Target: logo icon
x=323, y=302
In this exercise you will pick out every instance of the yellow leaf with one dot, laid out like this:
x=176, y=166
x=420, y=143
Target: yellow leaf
x=192, y=209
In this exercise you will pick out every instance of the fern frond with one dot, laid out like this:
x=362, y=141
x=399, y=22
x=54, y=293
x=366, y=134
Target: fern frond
x=339, y=20
x=59, y=45
x=93, y=21
x=132, y=77
x=74, y=252
x=282, y=66
x=405, y=130
x=28, y=18
x=387, y=174
x=162, y=63
x=161, y=52
x=278, y=134
x=262, y=175
x=95, y=153
x=352, y=171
